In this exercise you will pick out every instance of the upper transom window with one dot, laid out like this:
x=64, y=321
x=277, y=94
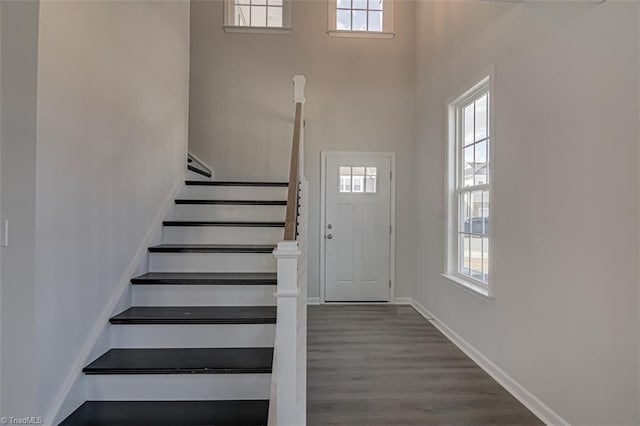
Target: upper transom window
x=258, y=13
x=258, y=16
x=361, y=18
x=359, y=15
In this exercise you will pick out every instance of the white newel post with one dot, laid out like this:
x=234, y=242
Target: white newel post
x=288, y=388
x=287, y=254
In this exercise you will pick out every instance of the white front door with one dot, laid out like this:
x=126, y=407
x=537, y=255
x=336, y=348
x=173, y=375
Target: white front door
x=357, y=224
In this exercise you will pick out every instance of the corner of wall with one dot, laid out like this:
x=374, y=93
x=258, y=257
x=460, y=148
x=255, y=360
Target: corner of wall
x=535, y=405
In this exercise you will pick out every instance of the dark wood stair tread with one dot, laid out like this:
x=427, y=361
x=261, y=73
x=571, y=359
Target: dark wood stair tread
x=224, y=224
x=196, y=315
x=183, y=361
x=236, y=183
x=206, y=278
x=233, y=202
x=212, y=248
x=199, y=171
x=170, y=413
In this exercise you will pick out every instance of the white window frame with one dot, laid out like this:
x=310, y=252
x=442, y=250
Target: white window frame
x=454, y=133
x=231, y=27
x=387, y=23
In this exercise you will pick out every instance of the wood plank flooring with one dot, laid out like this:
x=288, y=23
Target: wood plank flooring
x=371, y=365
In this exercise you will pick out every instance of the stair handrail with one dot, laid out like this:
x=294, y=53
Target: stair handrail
x=289, y=375
x=291, y=219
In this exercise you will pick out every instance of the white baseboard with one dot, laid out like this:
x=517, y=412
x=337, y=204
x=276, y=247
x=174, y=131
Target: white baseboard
x=55, y=414
x=402, y=300
x=313, y=300
x=535, y=405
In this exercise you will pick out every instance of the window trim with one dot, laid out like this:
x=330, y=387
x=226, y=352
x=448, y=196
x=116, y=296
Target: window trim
x=387, y=23
x=230, y=27
x=453, y=128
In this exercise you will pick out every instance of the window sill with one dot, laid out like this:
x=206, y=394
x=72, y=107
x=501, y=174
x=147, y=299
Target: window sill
x=361, y=34
x=474, y=289
x=256, y=30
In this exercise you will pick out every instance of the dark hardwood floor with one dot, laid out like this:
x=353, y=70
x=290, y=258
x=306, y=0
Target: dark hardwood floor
x=387, y=365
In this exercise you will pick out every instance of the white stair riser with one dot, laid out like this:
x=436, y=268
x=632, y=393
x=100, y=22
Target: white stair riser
x=177, y=387
x=233, y=193
x=222, y=235
x=212, y=262
x=142, y=336
x=204, y=295
x=223, y=212
x=191, y=175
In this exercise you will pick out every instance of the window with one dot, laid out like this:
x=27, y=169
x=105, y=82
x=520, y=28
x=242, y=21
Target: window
x=361, y=18
x=358, y=179
x=469, y=189
x=359, y=15
x=265, y=16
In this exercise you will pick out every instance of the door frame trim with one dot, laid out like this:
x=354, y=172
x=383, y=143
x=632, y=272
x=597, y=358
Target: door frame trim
x=323, y=218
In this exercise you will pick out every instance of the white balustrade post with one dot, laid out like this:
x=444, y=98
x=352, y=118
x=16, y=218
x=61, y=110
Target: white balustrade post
x=287, y=254
x=298, y=97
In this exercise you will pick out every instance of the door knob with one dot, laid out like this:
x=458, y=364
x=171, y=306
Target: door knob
x=329, y=236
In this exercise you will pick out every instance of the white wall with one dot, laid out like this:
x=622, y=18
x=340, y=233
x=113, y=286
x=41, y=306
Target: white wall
x=19, y=49
x=359, y=97
x=0, y=201
x=564, y=322
x=112, y=131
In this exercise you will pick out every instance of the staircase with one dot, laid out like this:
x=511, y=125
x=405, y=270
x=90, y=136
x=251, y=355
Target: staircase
x=196, y=346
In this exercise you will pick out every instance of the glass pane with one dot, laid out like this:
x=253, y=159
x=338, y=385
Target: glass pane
x=481, y=165
x=258, y=16
x=344, y=4
x=345, y=179
x=468, y=125
x=476, y=258
x=485, y=213
x=485, y=259
x=359, y=20
x=241, y=17
x=375, y=4
x=358, y=179
x=275, y=2
x=481, y=118
x=464, y=244
x=375, y=21
x=371, y=185
x=360, y=4
x=465, y=213
x=468, y=166
x=370, y=182
x=481, y=152
x=259, y=2
x=247, y=2
x=476, y=222
x=343, y=21
x=274, y=17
